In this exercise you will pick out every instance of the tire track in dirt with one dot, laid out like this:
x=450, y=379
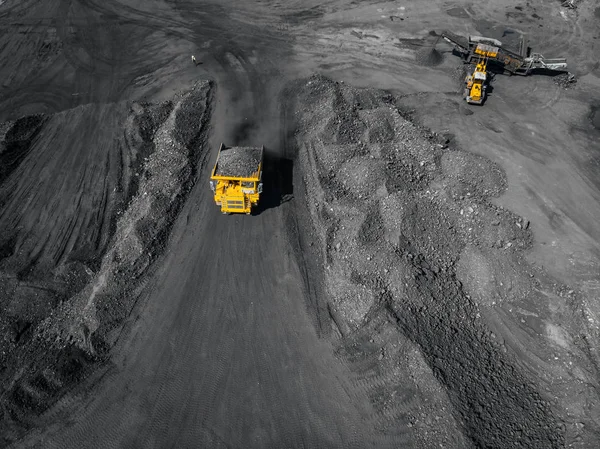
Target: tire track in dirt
x=23, y=200
x=94, y=37
x=13, y=8
x=79, y=52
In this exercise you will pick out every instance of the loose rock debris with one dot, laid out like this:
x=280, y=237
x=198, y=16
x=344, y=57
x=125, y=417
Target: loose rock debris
x=397, y=213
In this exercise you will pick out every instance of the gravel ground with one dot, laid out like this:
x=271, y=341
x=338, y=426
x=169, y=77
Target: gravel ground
x=66, y=320
x=405, y=223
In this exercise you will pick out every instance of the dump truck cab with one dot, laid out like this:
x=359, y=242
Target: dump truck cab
x=476, y=83
x=236, y=178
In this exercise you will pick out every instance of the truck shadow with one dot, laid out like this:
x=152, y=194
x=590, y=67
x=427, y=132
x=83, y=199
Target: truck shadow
x=278, y=182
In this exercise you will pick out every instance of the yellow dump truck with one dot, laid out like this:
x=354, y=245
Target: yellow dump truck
x=236, y=178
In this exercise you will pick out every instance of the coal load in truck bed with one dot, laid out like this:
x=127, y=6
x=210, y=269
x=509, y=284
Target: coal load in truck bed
x=239, y=162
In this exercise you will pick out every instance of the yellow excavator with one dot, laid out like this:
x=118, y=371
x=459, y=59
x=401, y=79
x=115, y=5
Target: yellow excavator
x=481, y=50
x=476, y=83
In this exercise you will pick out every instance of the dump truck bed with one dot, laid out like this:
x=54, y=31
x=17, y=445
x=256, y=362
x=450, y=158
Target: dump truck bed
x=236, y=178
x=238, y=162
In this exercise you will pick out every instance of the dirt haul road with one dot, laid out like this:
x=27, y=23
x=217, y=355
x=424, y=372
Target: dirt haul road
x=219, y=349
x=222, y=352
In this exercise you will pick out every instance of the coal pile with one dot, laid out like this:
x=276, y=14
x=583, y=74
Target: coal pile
x=240, y=162
x=58, y=315
x=565, y=80
x=428, y=57
x=394, y=210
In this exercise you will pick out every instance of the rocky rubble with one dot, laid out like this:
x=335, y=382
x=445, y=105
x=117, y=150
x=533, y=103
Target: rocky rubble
x=406, y=225
x=565, y=80
x=141, y=228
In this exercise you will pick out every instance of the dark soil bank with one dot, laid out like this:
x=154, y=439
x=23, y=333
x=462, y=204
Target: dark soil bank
x=392, y=210
x=87, y=199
